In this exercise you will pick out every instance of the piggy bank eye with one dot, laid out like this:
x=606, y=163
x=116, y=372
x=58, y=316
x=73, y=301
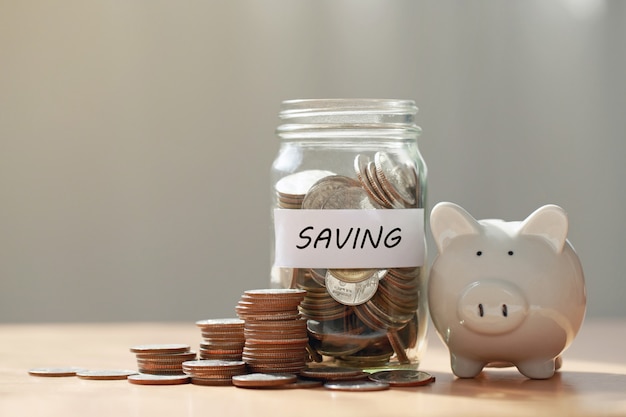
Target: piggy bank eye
x=479, y=253
x=510, y=253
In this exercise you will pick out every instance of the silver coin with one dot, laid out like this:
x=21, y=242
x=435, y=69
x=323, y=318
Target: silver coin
x=356, y=386
x=397, y=179
x=54, y=372
x=299, y=183
x=106, y=374
x=403, y=378
x=350, y=198
x=352, y=274
x=321, y=191
x=351, y=293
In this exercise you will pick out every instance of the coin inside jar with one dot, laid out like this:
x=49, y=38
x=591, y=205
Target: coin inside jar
x=352, y=275
x=351, y=293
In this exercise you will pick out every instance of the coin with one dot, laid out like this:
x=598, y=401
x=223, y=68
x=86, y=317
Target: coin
x=403, y=378
x=54, y=372
x=105, y=374
x=299, y=183
x=227, y=323
x=352, y=275
x=350, y=198
x=397, y=179
x=322, y=190
x=330, y=372
x=361, y=167
x=351, y=293
x=356, y=385
x=161, y=348
x=148, y=379
x=261, y=380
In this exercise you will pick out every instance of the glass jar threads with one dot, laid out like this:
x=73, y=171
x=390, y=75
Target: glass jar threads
x=348, y=198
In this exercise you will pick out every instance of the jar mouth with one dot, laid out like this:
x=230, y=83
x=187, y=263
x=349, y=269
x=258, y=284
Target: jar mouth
x=347, y=114
x=313, y=108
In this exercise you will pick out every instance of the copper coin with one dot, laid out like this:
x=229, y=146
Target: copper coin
x=260, y=380
x=148, y=379
x=213, y=382
x=161, y=348
x=403, y=378
x=105, y=374
x=365, y=385
x=54, y=372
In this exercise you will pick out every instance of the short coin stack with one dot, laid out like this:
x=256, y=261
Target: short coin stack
x=213, y=372
x=222, y=339
x=275, y=334
x=162, y=359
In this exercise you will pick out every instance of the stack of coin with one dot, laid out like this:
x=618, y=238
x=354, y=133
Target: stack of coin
x=389, y=183
x=213, y=372
x=162, y=359
x=290, y=190
x=221, y=339
x=275, y=334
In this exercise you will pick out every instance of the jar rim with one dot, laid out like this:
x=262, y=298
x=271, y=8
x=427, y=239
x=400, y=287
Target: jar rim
x=297, y=108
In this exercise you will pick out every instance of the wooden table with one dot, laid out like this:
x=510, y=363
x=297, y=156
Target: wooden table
x=592, y=381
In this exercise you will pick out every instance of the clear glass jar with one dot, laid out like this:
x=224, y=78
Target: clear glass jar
x=348, y=197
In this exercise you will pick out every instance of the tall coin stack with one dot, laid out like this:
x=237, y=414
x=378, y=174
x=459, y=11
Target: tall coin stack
x=222, y=339
x=275, y=334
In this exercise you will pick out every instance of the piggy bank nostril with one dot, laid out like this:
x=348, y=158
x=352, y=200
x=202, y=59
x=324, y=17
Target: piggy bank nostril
x=481, y=310
x=505, y=310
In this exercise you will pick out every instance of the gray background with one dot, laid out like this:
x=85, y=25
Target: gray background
x=136, y=136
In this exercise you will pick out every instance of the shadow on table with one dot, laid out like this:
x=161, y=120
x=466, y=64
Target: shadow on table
x=511, y=385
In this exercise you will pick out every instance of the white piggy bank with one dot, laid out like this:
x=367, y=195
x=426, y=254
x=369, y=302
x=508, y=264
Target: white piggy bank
x=505, y=293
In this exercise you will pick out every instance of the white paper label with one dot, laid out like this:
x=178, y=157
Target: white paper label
x=349, y=238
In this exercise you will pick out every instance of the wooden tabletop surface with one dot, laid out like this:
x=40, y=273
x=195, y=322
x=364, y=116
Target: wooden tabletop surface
x=592, y=381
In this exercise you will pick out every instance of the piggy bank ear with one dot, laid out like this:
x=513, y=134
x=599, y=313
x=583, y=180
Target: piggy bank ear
x=448, y=221
x=549, y=222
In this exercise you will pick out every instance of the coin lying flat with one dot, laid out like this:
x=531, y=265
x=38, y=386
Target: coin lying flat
x=262, y=380
x=161, y=348
x=105, y=374
x=148, y=379
x=328, y=373
x=403, y=378
x=54, y=372
x=356, y=385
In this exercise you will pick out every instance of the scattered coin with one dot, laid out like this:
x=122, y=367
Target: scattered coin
x=263, y=380
x=356, y=385
x=148, y=379
x=403, y=378
x=54, y=372
x=105, y=374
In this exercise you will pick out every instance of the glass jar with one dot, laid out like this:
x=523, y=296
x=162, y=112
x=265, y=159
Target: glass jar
x=348, y=197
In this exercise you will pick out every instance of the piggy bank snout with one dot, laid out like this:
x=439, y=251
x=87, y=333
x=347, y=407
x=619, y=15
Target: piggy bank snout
x=492, y=307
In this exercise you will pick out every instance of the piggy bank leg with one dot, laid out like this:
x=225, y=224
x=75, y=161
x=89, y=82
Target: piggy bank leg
x=539, y=368
x=464, y=367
